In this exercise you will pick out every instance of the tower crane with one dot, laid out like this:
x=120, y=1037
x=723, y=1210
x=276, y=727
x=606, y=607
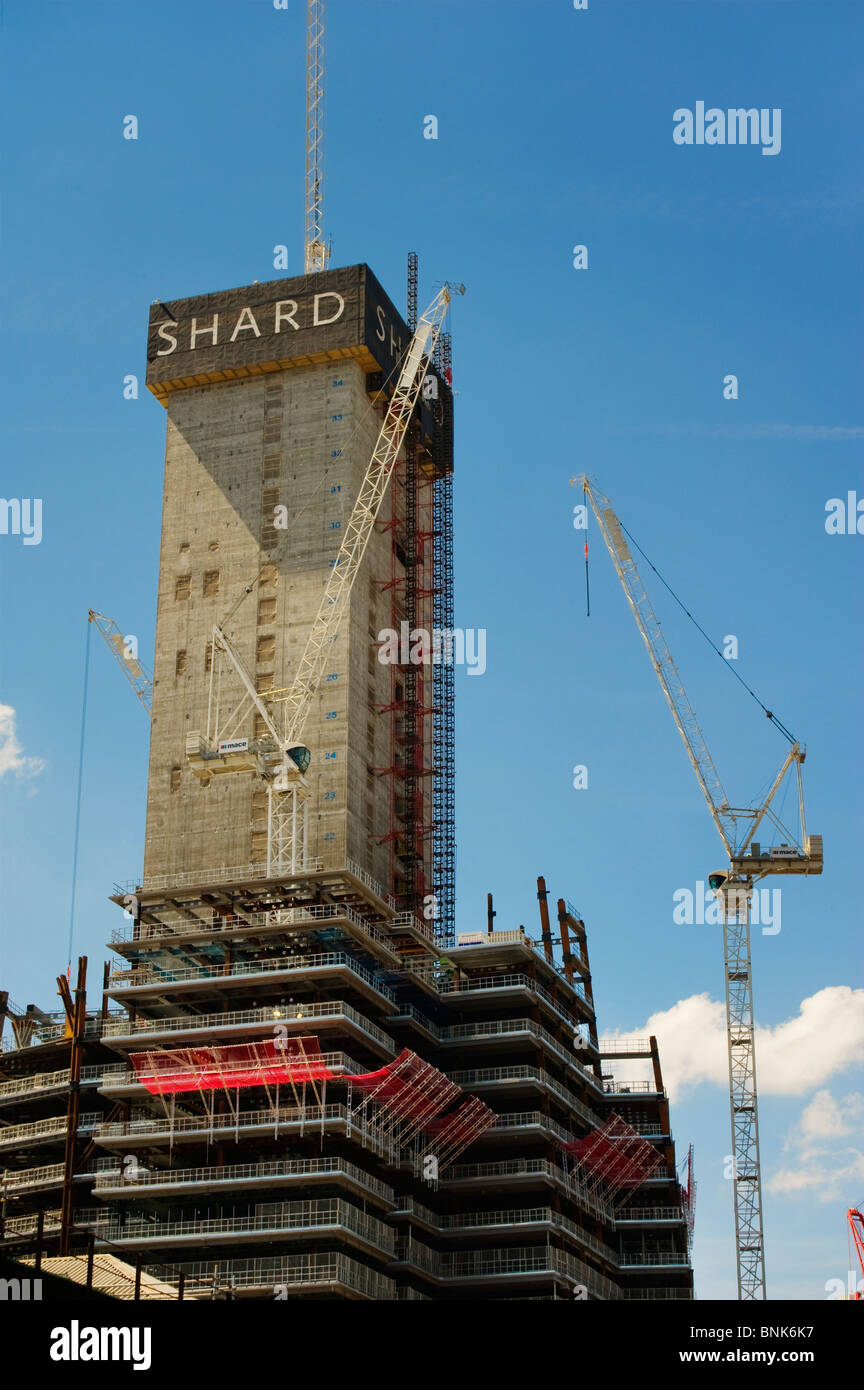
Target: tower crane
x=855, y=1217
x=130, y=665
x=748, y=862
x=280, y=758
x=317, y=253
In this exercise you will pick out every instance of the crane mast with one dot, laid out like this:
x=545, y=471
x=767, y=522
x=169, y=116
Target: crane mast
x=316, y=253
x=748, y=862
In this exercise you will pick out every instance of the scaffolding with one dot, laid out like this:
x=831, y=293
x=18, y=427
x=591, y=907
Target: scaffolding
x=443, y=682
x=407, y=1096
x=855, y=1218
x=452, y=1133
x=411, y=849
x=413, y=1099
x=611, y=1161
x=207, y=1070
x=688, y=1197
x=408, y=1093
x=204, y=1146
x=271, y=1061
x=411, y=696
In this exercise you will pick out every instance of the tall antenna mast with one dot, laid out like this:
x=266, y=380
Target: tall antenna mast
x=317, y=254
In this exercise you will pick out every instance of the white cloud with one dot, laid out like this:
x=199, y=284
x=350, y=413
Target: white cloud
x=831, y=1172
x=825, y=1118
x=12, y=757
x=829, y=1177
x=825, y=1037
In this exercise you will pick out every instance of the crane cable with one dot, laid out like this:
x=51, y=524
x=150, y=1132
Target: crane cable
x=78, y=801
x=587, y=589
x=716, y=650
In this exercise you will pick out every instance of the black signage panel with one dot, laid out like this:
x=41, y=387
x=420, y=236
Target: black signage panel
x=274, y=322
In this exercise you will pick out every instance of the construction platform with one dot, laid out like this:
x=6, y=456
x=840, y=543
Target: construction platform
x=291, y=1089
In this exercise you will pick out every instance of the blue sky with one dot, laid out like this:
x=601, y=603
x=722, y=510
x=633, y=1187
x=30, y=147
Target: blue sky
x=555, y=129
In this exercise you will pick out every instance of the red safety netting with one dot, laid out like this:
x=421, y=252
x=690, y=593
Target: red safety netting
x=409, y=1089
x=615, y=1155
x=273, y=1060
x=454, y=1132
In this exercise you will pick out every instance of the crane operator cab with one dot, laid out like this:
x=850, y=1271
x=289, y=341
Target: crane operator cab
x=299, y=755
x=289, y=776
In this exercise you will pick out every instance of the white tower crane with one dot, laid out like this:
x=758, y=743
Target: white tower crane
x=317, y=254
x=131, y=666
x=281, y=758
x=749, y=861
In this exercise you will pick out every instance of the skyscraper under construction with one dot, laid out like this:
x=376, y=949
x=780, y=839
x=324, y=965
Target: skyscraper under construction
x=274, y=396
x=303, y=1080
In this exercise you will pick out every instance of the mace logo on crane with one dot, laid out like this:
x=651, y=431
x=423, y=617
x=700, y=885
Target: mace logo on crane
x=233, y=745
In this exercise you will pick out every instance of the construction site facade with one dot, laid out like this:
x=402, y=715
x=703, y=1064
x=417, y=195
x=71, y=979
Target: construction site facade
x=310, y=1084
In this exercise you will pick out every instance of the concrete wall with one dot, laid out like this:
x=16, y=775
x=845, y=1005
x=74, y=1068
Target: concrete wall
x=234, y=451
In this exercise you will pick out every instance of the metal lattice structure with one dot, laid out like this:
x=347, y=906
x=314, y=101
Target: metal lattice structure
x=800, y=854
x=410, y=835
x=748, y=861
x=688, y=1197
x=316, y=253
x=743, y=1102
x=664, y=666
x=443, y=688
x=172, y=1071
x=134, y=672
x=855, y=1218
x=410, y=1096
x=452, y=1133
x=740, y=1031
x=613, y=1160
x=405, y=1100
